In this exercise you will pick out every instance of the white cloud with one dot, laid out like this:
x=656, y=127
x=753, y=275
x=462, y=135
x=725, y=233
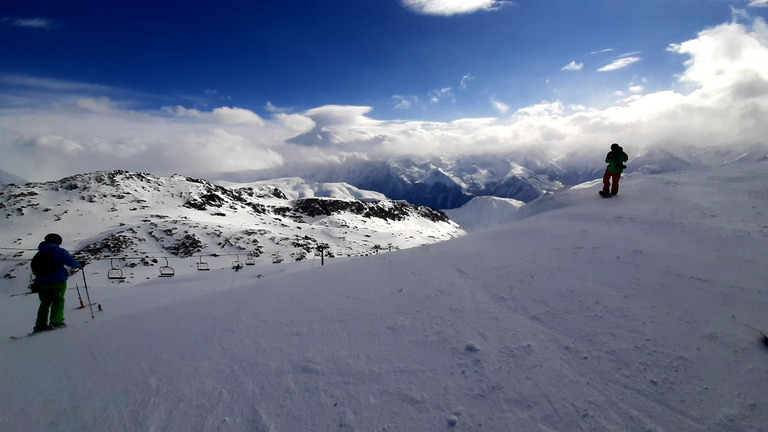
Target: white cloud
x=452, y=7
x=273, y=109
x=573, y=66
x=404, y=102
x=50, y=145
x=602, y=51
x=295, y=122
x=725, y=55
x=232, y=116
x=542, y=109
x=347, y=115
x=94, y=134
x=229, y=151
x=443, y=94
x=35, y=83
x=499, y=106
x=342, y=127
x=619, y=64
x=465, y=80
x=180, y=111
x=722, y=99
x=222, y=115
x=97, y=105
x=32, y=23
x=758, y=3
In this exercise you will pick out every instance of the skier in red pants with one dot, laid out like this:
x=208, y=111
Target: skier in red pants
x=615, y=159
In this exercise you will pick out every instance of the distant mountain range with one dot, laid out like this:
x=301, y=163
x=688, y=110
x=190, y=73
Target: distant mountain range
x=8, y=178
x=128, y=214
x=524, y=175
x=446, y=183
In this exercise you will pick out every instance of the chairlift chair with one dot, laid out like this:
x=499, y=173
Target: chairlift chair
x=237, y=265
x=202, y=265
x=166, y=270
x=277, y=258
x=250, y=261
x=114, y=273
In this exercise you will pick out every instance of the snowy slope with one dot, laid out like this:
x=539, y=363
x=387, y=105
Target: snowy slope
x=172, y=221
x=484, y=212
x=295, y=188
x=636, y=313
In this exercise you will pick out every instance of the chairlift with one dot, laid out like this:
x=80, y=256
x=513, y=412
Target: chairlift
x=237, y=265
x=166, y=270
x=114, y=273
x=277, y=258
x=250, y=261
x=202, y=265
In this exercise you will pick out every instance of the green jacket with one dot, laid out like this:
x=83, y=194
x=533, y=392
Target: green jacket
x=615, y=160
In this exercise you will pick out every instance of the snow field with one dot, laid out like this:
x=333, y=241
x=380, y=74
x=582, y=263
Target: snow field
x=637, y=313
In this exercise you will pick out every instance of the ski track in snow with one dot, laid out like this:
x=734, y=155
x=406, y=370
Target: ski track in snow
x=639, y=313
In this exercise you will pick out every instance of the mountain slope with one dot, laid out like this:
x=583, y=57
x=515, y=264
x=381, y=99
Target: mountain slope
x=8, y=178
x=437, y=182
x=118, y=214
x=484, y=212
x=635, y=313
x=522, y=174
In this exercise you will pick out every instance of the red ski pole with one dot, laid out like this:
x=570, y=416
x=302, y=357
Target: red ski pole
x=79, y=297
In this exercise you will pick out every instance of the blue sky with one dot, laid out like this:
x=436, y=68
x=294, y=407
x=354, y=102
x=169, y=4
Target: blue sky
x=379, y=53
x=392, y=61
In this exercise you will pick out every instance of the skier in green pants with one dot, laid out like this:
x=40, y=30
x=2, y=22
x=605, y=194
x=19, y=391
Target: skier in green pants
x=51, y=281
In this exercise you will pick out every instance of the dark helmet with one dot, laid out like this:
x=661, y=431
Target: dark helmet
x=53, y=238
x=615, y=146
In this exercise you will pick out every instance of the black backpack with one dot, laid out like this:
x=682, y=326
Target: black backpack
x=44, y=263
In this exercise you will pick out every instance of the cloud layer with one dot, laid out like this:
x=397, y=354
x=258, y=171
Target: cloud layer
x=30, y=23
x=619, y=64
x=452, y=7
x=51, y=128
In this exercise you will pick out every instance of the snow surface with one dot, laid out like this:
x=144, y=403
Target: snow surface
x=295, y=188
x=150, y=219
x=635, y=313
x=484, y=212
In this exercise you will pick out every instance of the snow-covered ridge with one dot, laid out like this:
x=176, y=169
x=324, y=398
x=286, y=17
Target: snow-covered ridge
x=8, y=178
x=127, y=214
x=295, y=188
x=485, y=212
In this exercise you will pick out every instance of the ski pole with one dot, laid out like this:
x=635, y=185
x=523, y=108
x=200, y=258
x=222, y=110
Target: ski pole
x=79, y=297
x=88, y=296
